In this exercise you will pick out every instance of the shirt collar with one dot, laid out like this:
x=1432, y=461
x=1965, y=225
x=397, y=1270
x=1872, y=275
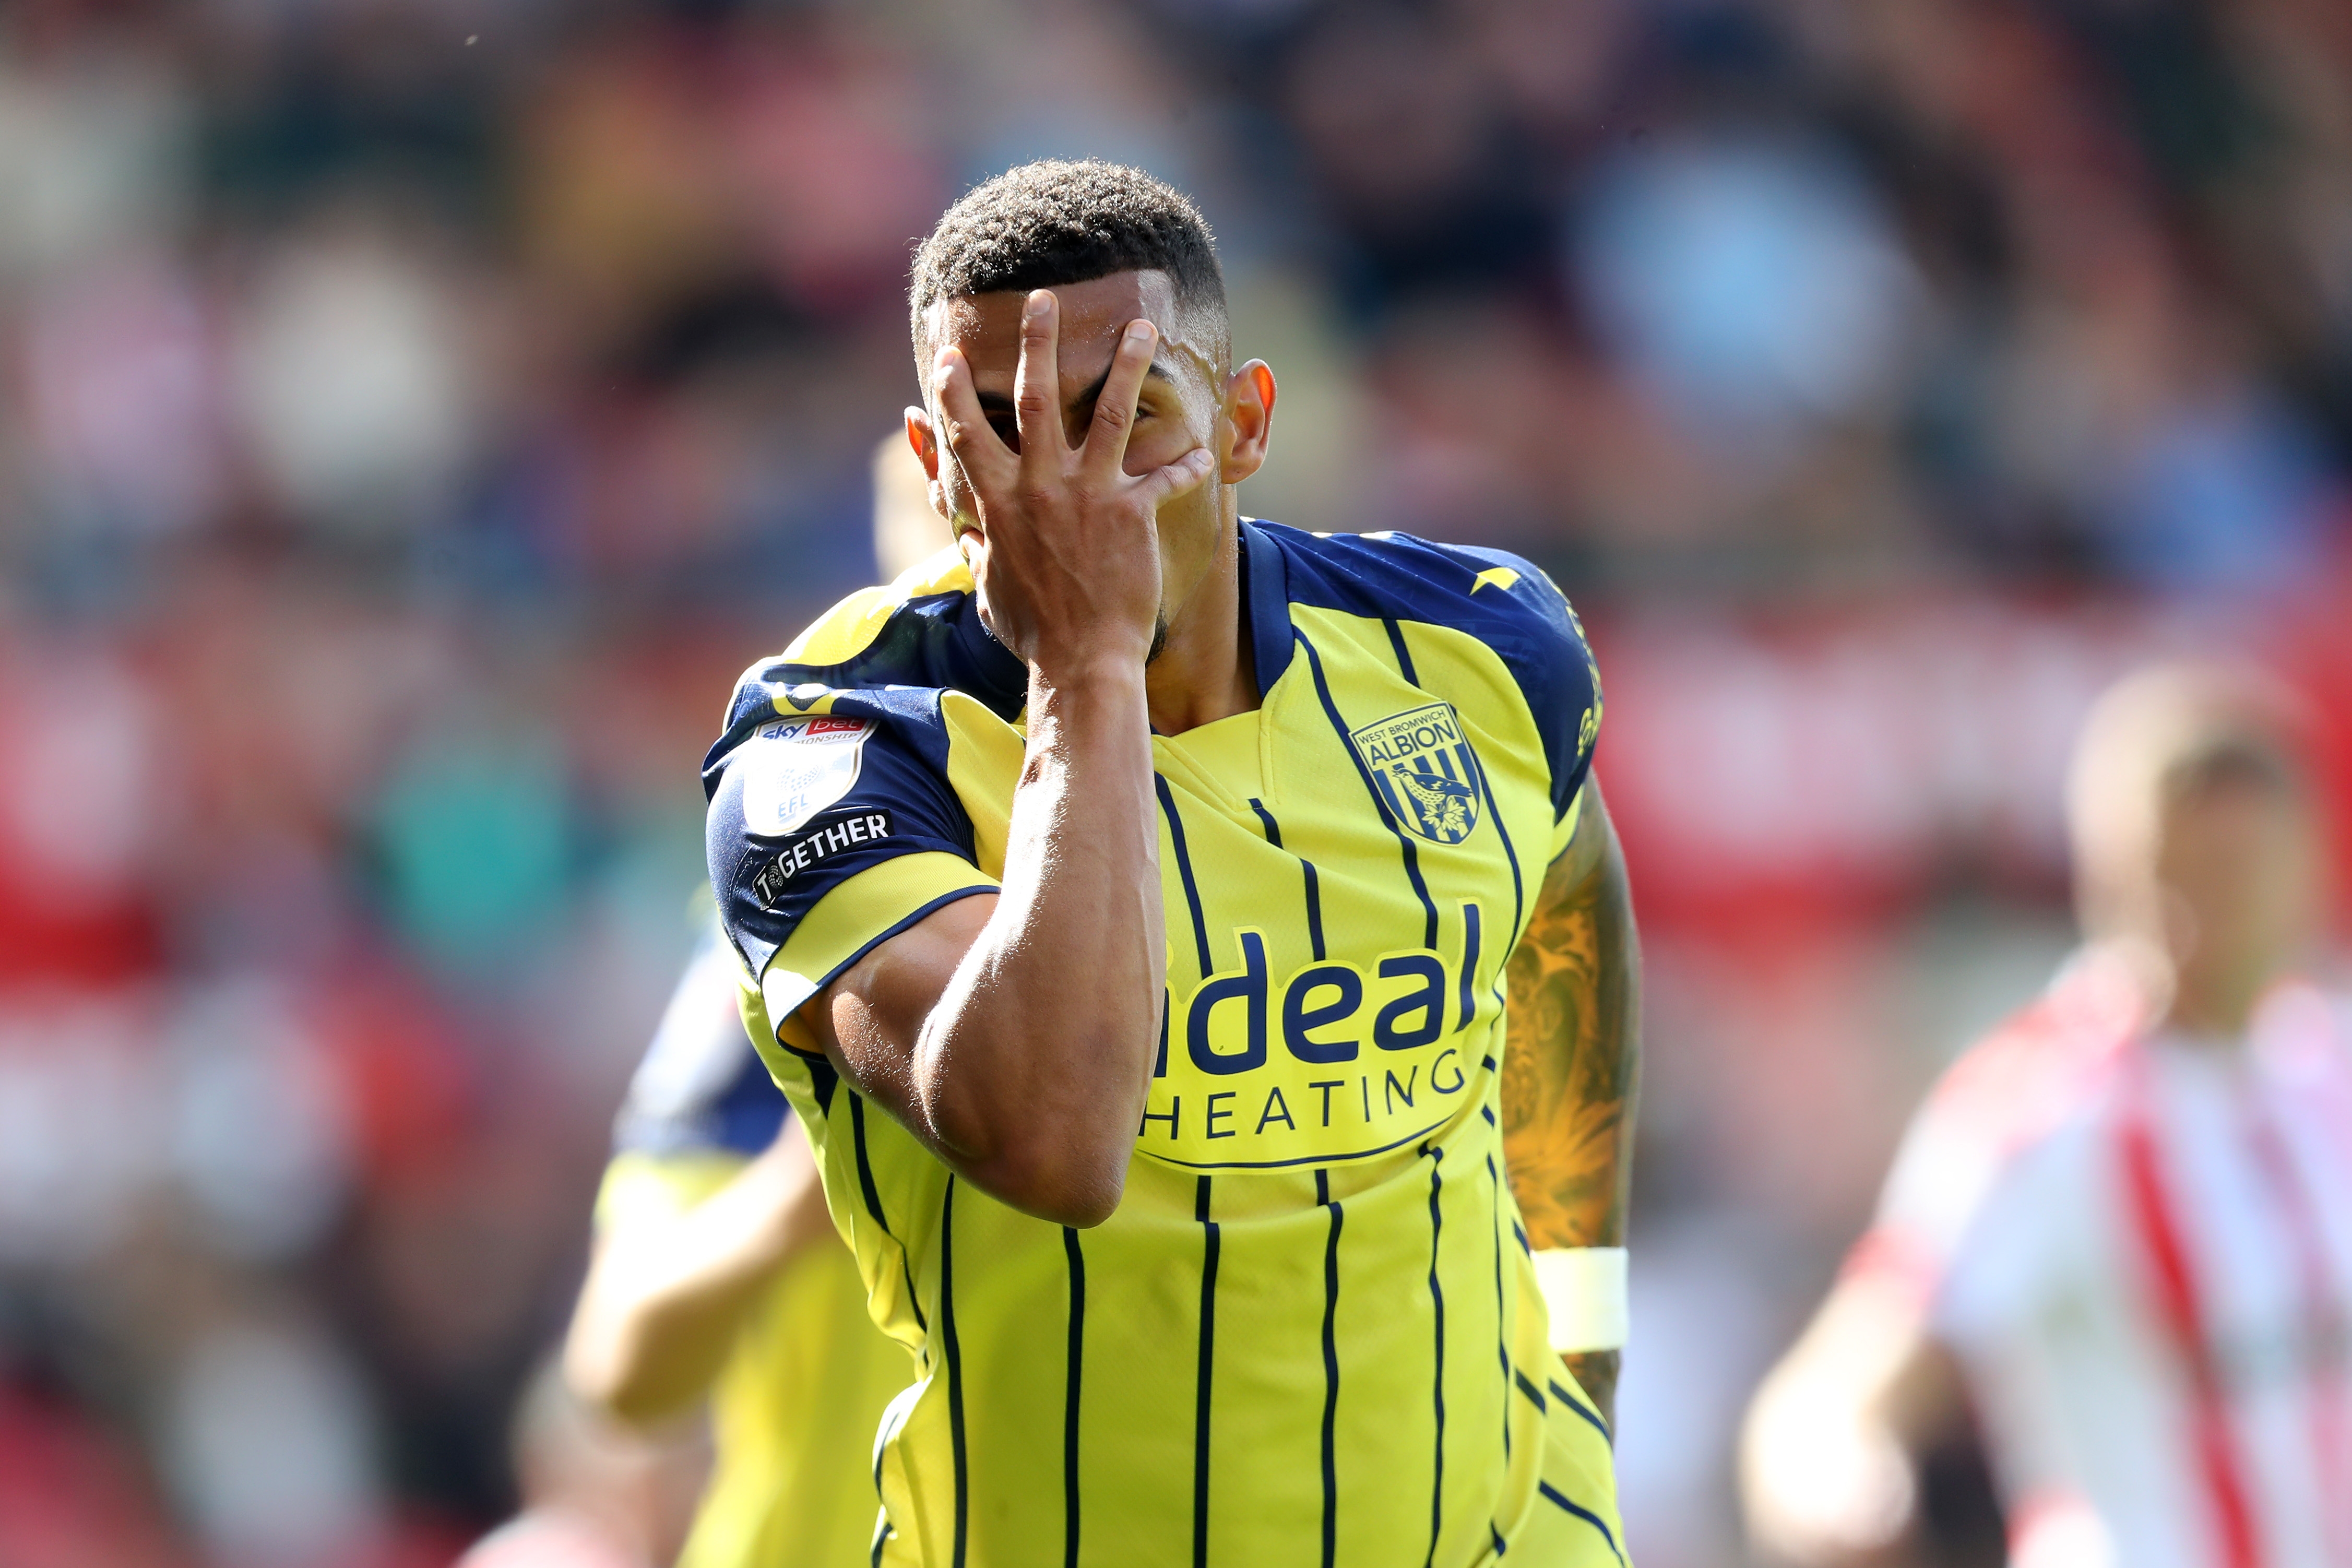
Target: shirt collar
x=1265, y=600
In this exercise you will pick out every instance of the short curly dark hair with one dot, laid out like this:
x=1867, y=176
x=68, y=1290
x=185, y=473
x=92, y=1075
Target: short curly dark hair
x=1058, y=221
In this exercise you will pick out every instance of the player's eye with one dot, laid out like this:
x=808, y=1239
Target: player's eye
x=1007, y=429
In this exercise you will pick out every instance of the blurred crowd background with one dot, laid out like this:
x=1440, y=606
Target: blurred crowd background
x=412, y=413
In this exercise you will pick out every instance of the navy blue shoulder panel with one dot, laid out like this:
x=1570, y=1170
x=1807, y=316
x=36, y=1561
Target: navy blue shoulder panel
x=1504, y=602
x=800, y=801
x=801, y=805
x=937, y=640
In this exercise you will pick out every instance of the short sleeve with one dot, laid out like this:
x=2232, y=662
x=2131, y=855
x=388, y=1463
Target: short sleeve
x=1943, y=1169
x=2033, y=1231
x=830, y=832
x=2002, y=1098
x=1544, y=648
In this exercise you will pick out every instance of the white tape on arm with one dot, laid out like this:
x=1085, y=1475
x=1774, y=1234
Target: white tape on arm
x=1584, y=1291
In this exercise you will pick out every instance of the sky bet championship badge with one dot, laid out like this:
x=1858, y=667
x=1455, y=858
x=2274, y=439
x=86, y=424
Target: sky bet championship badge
x=796, y=769
x=1424, y=770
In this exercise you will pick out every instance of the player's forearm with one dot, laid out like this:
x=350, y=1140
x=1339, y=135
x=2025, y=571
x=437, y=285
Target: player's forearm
x=1573, y=1065
x=659, y=1313
x=1032, y=1070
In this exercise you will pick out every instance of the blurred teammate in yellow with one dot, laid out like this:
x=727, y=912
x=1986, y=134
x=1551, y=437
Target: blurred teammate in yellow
x=717, y=1273
x=716, y=1270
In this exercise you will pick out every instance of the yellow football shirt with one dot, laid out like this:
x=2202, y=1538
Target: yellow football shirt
x=1311, y=1332
x=794, y=1408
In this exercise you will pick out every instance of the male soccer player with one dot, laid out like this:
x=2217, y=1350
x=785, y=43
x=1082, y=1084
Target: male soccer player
x=1131, y=910
x=2123, y=1224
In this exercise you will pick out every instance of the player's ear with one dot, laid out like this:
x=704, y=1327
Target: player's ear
x=1249, y=421
x=926, y=442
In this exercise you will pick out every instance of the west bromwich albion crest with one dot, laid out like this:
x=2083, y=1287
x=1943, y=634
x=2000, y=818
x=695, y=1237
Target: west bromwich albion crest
x=1424, y=770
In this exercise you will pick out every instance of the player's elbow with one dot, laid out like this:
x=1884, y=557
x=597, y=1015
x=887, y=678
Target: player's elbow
x=610, y=1356
x=602, y=1373
x=633, y=1385
x=631, y=1402
x=1058, y=1157
x=1081, y=1207
x=1054, y=1173
x=1068, y=1169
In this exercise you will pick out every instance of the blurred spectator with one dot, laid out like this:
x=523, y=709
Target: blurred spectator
x=265, y=1435
x=350, y=376
x=1752, y=287
x=71, y=1495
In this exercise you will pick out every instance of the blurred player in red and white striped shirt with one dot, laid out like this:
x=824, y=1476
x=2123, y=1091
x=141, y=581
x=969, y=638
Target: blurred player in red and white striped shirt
x=2120, y=1228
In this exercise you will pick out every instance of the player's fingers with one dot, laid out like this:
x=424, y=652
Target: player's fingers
x=1036, y=384
x=1169, y=481
x=965, y=428
x=1115, y=405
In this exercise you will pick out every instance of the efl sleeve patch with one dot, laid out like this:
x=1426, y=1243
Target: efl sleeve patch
x=797, y=767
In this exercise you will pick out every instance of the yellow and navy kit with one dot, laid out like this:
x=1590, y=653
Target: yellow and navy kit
x=1311, y=1332
x=796, y=1403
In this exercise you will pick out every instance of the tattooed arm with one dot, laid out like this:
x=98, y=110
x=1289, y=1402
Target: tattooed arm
x=1574, y=1058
